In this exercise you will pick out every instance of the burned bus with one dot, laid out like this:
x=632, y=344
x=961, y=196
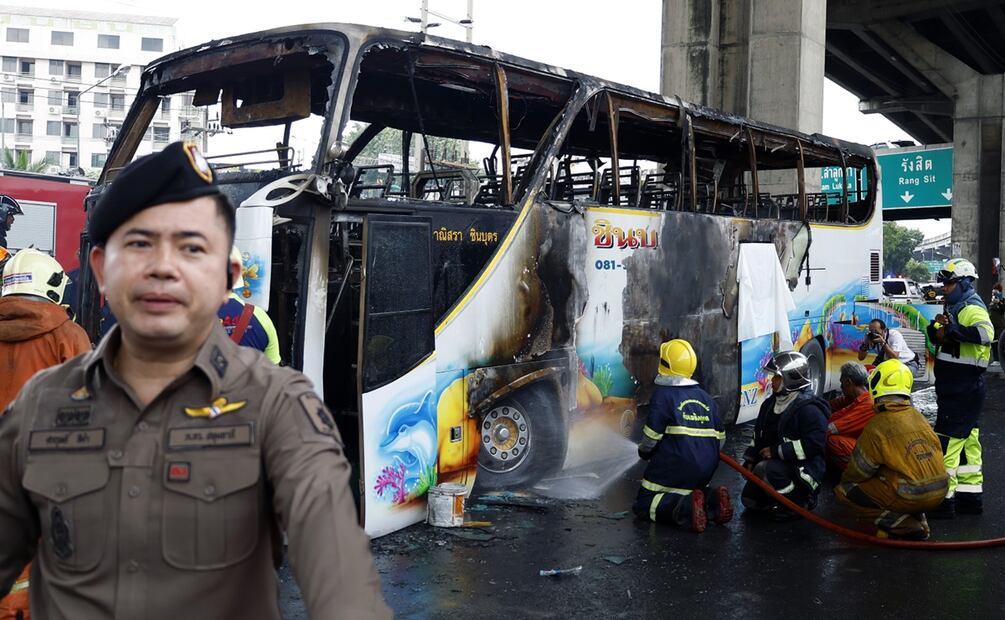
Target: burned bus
x=459, y=319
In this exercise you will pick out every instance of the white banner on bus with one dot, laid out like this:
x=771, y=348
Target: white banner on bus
x=765, y=299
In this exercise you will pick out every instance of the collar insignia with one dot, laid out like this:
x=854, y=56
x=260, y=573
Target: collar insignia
x=80, y=394
x=219, y=407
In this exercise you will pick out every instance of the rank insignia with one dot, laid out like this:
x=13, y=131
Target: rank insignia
x=219, y=407
x=179, y=471
x=80, y=394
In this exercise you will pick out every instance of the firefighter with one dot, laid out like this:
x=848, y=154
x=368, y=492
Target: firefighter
x=681, y=441
x=789, y=439
x=247, y=324
x=850, y=413
x=896, y=471
x=963, y=336
x=8, y=209
x=35, y=333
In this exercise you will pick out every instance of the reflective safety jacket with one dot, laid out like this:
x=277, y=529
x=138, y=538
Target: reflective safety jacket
x=966, y=349
x=260, y=333
x=899, y=449
x=798, y=435
x=681, y=439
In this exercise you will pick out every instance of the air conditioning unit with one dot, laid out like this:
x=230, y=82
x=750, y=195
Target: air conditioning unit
x=8, y=78
x=55, y=109
x=99, y=113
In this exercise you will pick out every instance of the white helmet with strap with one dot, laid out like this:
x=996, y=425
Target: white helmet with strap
x=956, y=268
x=35, y=273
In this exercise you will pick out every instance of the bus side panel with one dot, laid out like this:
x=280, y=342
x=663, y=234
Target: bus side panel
x=755, y=384
x=399, y=450
x=834, y=308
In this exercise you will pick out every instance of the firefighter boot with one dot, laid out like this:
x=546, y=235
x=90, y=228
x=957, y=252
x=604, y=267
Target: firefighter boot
x=699, y=519
x=969, y=503
x=945, y=510
x=719, y=506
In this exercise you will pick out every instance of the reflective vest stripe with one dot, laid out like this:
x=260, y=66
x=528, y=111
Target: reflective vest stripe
x=808, y=479
x=654, y=505
x=650, y=433
x=695, y=432
x=918, y=490
x=797, y=447
x=19, y=586
x=863, y=463
x=659, y=488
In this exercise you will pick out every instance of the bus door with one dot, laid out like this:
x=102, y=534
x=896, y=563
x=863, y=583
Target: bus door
x=396, y=372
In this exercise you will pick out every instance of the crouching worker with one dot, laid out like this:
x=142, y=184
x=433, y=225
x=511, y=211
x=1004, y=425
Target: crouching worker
x=789, y=438
x=896, y=471
x=850, y=412
x=681, y=441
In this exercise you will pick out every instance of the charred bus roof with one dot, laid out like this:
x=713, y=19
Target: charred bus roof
x=442, y=74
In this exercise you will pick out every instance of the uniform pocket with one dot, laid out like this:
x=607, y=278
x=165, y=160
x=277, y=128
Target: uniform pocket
x=72, y=508
x=213, y=509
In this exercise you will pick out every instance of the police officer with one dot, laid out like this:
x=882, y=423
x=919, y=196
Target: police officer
x=789, y=439
x=152, y=476
x=681, y=441
x=963, y=335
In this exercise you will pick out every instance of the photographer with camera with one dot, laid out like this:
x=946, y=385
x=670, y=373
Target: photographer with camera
x=887, y=344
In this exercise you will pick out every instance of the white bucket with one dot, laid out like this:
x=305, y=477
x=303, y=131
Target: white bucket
x=446, y=505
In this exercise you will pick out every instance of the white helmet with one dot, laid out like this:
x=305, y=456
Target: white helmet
x=956, y=268
x=36, y=273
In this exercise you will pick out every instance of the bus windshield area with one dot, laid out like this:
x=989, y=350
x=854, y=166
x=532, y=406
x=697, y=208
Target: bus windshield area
x=250, y=106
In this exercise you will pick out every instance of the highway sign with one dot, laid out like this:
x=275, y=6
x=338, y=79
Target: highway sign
x=917, y=178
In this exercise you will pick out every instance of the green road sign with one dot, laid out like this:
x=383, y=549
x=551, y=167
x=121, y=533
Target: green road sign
x=934, y=265
x=917, y=178
x=830, y=183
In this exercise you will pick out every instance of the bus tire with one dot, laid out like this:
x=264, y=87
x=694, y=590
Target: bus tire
x=524, y=437
x=815, y=355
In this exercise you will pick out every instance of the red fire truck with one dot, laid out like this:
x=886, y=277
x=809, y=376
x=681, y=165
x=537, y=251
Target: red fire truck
x=53, y=213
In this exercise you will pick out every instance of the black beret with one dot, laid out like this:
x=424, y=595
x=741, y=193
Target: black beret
x=177, y=173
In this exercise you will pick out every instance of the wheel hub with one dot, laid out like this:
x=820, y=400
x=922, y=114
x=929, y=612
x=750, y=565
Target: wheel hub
x=506, y=438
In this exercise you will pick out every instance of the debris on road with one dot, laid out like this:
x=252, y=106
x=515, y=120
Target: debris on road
x=617, y=560
x=560, y=572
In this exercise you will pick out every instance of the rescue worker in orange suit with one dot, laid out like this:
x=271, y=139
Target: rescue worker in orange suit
x=681, y=441
x=35, y=333
x=850, y=413
x=789, y=439
x=896, y=471
x=247, y=324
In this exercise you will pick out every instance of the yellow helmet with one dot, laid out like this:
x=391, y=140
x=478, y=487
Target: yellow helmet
x=677, y=358
x=891, y=378
x=36, y=273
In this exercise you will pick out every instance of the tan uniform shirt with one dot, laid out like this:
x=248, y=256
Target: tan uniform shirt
x=171, y=510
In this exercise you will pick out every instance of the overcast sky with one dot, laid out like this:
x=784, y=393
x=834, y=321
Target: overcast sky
x=617, y=40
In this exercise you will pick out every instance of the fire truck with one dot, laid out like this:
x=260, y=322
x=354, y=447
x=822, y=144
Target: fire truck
x=53, y=213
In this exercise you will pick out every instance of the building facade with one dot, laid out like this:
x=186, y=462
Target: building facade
x=68, y=79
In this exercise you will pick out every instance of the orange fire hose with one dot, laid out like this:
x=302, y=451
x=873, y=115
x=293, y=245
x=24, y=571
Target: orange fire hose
x=853, y=534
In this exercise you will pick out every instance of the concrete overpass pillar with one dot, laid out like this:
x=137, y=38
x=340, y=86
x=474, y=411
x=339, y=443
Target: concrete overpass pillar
x=978, y=139
x=763, y=60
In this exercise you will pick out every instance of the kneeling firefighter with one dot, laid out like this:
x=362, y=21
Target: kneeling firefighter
x=681, y=441
x=896, y=471
x=789, y=439
x=963, y=336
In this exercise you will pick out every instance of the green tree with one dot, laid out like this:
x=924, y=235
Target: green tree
x=19, y=160
x=898, y=245
x=917, y=271
x=389, y=141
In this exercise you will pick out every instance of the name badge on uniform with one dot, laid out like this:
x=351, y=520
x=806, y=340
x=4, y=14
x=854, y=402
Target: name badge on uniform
x=210, y=437
x=91, y=439
x=73, y=416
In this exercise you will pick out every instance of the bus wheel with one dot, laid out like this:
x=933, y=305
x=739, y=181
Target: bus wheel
x=523, y=439
x=815, y=355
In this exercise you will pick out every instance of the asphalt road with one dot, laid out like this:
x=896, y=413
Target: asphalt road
x=749, y=568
